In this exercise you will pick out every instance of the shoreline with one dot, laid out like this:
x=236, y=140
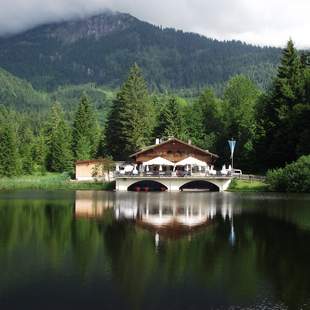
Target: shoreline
x=56, y=181
x=49, y=181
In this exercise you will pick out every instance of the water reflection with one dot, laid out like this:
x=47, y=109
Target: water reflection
x=117, y=251
x=167, y=215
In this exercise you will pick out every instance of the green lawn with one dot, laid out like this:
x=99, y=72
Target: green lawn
x=50, y=181
x=247, y=186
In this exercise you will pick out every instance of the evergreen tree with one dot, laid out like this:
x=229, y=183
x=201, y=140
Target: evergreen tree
x=86, y=131
x=8, y=149
x=40, y=152
x=26, y=151
x=59, y=157
x=131, y=121
x=171, y=120
x=205, y=120
x=276, y=113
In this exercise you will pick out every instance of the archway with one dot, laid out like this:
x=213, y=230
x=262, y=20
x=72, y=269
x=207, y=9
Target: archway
x=200, y=185
x=147, y=186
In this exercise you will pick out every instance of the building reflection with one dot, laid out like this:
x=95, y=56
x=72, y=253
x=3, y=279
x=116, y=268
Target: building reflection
x=167, y=215
x=92, y=204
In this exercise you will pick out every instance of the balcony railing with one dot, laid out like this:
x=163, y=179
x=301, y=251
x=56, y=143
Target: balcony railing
x=165, y=174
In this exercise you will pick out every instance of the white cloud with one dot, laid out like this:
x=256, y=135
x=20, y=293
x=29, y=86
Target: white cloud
x=265, y=22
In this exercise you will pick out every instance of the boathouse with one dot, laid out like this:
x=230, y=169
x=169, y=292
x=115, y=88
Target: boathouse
x=171, y=165
x=173, y=150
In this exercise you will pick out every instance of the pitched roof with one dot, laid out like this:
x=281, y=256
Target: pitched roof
x=171, y=140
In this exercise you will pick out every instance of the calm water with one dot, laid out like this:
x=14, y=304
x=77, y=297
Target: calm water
x=98, y=250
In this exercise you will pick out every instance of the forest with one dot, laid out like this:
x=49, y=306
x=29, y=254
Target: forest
x=67, y=53
x=271, y=127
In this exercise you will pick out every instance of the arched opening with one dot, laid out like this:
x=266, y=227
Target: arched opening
x=147, y=186
x=200, y=186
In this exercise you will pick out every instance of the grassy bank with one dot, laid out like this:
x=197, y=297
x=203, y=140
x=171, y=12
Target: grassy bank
x=50, y=181
x=247, y=186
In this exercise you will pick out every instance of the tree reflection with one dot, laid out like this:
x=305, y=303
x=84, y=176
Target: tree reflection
x=111, y=239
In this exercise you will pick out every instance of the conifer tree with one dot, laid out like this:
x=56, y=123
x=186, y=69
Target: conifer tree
x=86, y=131
x=205, y=120
x=59, y=157
x=26, y=151
x=276, y=143
x=131, y=121
x=171, y=120
x=40, y=152
x=8, y=150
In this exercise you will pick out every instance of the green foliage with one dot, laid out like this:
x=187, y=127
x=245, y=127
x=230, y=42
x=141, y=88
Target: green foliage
x=86, y=131
x=8, y=149
x=19, y=94
x=99, y=96
x=271, y=128
x=205, y=120
x=58, y=134
x=283, y=113
x=50, y=181
x=131, y=121
x=171, y=120
x=62, y=54
x=294, y=177
x=247, y=186
x=240, y=99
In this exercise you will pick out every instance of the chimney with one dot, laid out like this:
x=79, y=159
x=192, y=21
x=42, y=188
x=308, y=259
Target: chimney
x=190, y=142
x=157, y=141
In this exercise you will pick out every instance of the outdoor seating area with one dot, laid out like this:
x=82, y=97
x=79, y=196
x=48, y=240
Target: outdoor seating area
x=160, y=166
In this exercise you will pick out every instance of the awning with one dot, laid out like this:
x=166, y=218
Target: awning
x=158, y=161
x=191, y=161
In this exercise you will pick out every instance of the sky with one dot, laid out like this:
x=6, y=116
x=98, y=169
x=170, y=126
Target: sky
x=261, y=22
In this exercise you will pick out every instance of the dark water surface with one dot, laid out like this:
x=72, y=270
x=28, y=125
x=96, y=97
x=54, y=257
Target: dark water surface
x=100, y=250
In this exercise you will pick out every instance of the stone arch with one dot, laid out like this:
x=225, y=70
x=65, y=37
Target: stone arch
x=147, y=185
x=200, y=185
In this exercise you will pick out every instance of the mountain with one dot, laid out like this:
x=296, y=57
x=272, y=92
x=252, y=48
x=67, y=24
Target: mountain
x=20, y=95
x=100, y=49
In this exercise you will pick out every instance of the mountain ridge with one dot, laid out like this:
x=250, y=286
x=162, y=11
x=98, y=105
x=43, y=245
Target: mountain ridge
x=102, y=47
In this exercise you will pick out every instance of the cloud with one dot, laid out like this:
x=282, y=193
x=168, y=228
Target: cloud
x=264, y=22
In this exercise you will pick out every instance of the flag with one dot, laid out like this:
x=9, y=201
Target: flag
x=232, y=144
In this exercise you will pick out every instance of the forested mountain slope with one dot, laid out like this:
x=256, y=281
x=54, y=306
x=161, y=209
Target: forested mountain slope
x=101, y=49
x=19, y=95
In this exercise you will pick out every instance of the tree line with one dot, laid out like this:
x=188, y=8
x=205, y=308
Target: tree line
x=272, y=128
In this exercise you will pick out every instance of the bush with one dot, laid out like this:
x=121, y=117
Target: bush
x=294, y=178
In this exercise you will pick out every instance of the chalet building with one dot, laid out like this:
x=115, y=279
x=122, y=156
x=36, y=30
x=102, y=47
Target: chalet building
x=173, y=155
x=175, y=151
x=169, y=158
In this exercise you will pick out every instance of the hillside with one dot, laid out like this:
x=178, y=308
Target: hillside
x=20, y=95
x=100, y=49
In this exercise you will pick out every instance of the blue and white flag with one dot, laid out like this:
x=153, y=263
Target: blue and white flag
x=232, y=145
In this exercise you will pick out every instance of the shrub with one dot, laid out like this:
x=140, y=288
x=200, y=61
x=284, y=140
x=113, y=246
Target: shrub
x=294, y=177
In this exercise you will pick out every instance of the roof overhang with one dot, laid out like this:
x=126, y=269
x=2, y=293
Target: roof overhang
x=151, y=147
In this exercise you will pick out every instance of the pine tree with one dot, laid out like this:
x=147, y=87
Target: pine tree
x=26, y=151
x=8, y=150
x=277, y=140
x=86, y=131
x=131, y=121
x=59, y=157
x=205, y=120
x=40, y=152
x=171, y=120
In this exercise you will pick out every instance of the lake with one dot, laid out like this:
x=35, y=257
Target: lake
x=106, y=250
